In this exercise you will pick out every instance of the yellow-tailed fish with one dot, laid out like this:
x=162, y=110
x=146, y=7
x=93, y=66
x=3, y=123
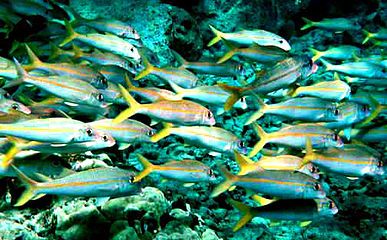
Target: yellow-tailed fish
x=187, y=171
x=295, y=136
x=82, y=72
x=226, y=69
x=254, y=53
x=213, y=138
x=369, y=135
x=109, y=43
x=350, y=161
x=334, y=24
x=275, y=183
x=30, y=8
x=378, y=82
x=286, y=210
x=335, y=90
x=380, y=35
x=364, y=97
x=182, y=112
x=358, y=69
x=306, y=109
x=126, y=132
x=248, y=37
x=70, y=89
x=59, y=53
x=342, y=52
x=279, y=76
x=281, y=162
x=179, y=76
x=97, y=182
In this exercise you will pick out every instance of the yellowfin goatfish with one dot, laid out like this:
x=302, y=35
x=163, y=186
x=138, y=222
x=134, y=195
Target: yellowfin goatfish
x=295, y=136
x=248, y=37
x=358, y=69
x=279, y=76
x=126, y=132
x=370, y=134
x=181, y=111
x=66, y=69
x=343, y=52
x=213, y=138
x=109, y=43
x=276, y=183
x=281, y=162
x=287, y=210
x=180, y=76
x=349, y=161
x=334, y=24
x=335, y=90
x=227, y=69
x=380, y=35
x=254, y=53
x=70, y=89
x=187, y=171
x=53, y=130
x=98, y=182
x=307, y=109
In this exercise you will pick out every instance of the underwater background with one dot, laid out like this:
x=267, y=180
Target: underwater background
x=165, y=39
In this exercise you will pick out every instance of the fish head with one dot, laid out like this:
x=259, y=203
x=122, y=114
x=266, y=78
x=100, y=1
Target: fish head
x=239, y=146
x=16, y=106
x=311, y=170
x=314, y=189
x=129, y=32
x=86, y=134
x=333, y=140
x=97, y=99
x=376, y=167
x=208, y=118
x=363, y=111
x=308, y=66
x=99, y=81
x=148, y=133
x=104, y=138
x=132, y=52
x=210, y=174
x=281, y=43
x=326, y=207
x=241, y=103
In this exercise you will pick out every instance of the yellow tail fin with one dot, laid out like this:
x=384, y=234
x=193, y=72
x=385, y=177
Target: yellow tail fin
x=149, y=68
x=148, y=168
x=309, y=154
x=31, y=187
x=217, y=38
x=179, y=59
x=262, y=141
x=8, y=157
x=236, y=94
x=316, y=54
x=166, y=131
x=246, y=212
x=134, y=106
x=245, y=164
x=261, y=200
x=71, y=34
x=228, y=182
x=368, y=36
x=35, y=61
x=258, y=114
x=308, y=24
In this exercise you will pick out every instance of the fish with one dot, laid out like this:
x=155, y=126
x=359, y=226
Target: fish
x=275, y=183
x=109, y=43
x=380, y=35
x=126, y=132
x=187, y=171
x=378, y=82
x=279, y=76
x=281, y=162
x=31, y=8
x=348, y=161
x=7, y=104
x=112, y=94
x=52, y=130
x=179, y=76
x=295, y=136
x=287, y=209
x=369, y=135
x=335, y=90
x=248, y=37
x=213, y=138
x=213, y=95
x=182, y=112
x=358, y=69
x=82, y=72
x=7, y=69
x=306, y=109
x=342, y=52
x=225, y=69
x=69, y=88
x=333, y=24
x=97, y=182
x=254, y=53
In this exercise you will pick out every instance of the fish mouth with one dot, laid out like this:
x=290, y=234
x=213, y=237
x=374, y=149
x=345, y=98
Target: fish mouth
x=25, y=110
x=314, y=68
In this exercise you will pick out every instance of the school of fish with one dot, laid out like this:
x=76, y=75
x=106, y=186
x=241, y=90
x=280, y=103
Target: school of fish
x=81, y=96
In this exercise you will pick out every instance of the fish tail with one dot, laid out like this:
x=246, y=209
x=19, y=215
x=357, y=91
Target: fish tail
x=217, y=38
x=166, y=131
x=377, y=108
x=8, y=157
x=149, y=68
x=134, y=106
x=246, y=212
x=55, y=52
x=261, y=200
x=232, y=50
x=31, y=187
x=179, y=59
x=368, y=36
x=243, y=163
x=77, y=51
x=228, y=182
x=262, y=141
x=316, y=54
x=236, y=94
x=308, y=24
x=21, y=75
x=35, y=61
x=71, y=34
x=309, y=154
x=148, y=168
x=258, y=114
x=327, y=65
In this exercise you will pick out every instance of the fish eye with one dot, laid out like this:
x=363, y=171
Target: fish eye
x=331, y=205
x=15, y=106
x=131, y=49
x=380, y=164
x=314, y=169
x=150, y=133
x=209, y=115
x=105, y=138
x=281, y=41
x=317, y=187
x=240, y=144
x=310, y=63
x=243, y=99
x=89, y=132
x=131, y=179
x=365, y=108
x=336, y=112
x=210, y=172
x=100, y=97
x=335, y=137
